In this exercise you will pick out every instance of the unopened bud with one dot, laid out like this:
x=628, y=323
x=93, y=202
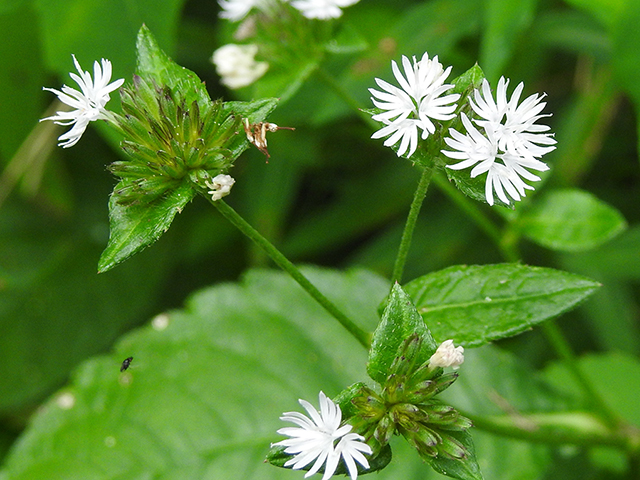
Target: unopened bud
x=447, y=355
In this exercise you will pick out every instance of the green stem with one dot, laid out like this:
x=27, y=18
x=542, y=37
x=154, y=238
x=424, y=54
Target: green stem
x=410, y=225
x=576, y=428
x=230, y=214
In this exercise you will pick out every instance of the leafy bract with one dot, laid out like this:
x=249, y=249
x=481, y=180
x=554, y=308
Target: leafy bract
x=474, y=305
x=571, y=220
x=399, y=320
x=134, y=227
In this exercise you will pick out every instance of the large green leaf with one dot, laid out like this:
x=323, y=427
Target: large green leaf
x=474, y=305
x=206, y=386
x=571, y=220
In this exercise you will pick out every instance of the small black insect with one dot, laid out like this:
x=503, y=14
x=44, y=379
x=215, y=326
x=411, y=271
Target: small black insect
x=126, y=363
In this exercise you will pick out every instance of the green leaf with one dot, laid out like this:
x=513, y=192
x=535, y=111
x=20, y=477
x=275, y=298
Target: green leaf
x=399, y=320
x=474, y=305
x=154, y=64
x=466, y=469
x=135, y=227
x=207, y=384
x=571, y=220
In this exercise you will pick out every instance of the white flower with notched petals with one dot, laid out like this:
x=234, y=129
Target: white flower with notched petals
x=513, y=125
x=322, y=9
x=411, y=108
x=508, y=144
x=237, y=66
x=447, y=355
x=88, y=103
x=314, y=439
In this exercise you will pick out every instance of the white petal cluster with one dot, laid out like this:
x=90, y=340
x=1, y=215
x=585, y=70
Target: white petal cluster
x=507, y=143
x=314, y=439
x=220, y=186
x=411, y=108
x=447, y=355
x=237, y=66
x=322, y=9
x=88, y=103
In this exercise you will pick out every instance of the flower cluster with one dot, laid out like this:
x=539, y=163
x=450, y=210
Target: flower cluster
x=410, y=109
x=88, y=104
x=170, y=140
x=315, y=437
x=505, y=142
x=407, y=404
x=235, y=10
x=237, y=66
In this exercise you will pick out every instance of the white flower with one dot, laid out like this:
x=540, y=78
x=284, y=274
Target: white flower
x=235, y=10
x=510, y=142
x=411, y=108
x=220, y=186
x=315, y=438
x=447, y=355
x=88, y=103
x=322, y=9
x=237, y=66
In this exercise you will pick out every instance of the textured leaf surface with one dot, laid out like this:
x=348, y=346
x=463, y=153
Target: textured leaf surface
x=571, y=220
x=474, y=305
x=135, y=227
x=202, y=397
x=399, y=320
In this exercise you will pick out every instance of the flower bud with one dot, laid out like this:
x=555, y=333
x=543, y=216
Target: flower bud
x=447, y=356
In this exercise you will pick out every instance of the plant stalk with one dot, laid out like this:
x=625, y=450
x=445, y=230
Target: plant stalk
x=410, y=225
x=283, y=262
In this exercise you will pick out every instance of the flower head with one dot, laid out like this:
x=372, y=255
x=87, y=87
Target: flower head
x=237, y=66
x=88, y=103
x=508, y=144
x=412, y=107
x=447, y=355
x=322, y=9
x=220, y=186
x=314, y=439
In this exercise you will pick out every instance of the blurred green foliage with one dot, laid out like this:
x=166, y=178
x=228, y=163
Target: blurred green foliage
x=328, y=196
